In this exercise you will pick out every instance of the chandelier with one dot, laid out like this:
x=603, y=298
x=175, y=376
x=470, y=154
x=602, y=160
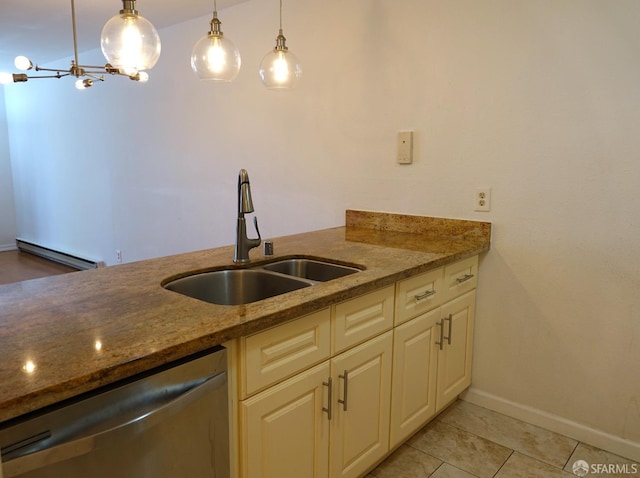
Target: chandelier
x=129, y=42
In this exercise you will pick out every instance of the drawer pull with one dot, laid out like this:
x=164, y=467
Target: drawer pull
x=441, y=343
x=464, y=278
x=427, y=294
x=345, y=377
x=329, y=408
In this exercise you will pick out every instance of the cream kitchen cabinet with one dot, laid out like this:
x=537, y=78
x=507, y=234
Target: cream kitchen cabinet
x=280, y=352
x=291, y=404
x=432, y=345
x=415, y=362
x=455, y=348
x=361, y=402
x=331, y=393
x=285, y=430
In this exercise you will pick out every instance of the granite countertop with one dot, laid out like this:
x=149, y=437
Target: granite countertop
x=65, y=335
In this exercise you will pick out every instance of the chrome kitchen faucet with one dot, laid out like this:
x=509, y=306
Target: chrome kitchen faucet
x=245, y=206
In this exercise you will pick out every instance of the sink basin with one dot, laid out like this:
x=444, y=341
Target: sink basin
x=310, y=269
x=235, y=286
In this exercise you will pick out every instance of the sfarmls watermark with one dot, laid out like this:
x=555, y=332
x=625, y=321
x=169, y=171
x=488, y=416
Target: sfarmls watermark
x=582, y=468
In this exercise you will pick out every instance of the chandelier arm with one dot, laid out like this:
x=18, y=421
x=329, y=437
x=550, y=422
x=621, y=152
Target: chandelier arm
x=102, y=69
x=94, y=75
x=59, y=70
x=59, y=75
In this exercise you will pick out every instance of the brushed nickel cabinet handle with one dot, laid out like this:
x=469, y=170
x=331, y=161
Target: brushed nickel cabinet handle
x=450, y=328
x=441, y=343
x=427, y=294
x=464, y=278
x=329, y=407
x=344, y=377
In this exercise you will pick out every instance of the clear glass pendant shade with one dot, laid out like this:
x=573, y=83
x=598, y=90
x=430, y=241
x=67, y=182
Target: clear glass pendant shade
x=130, y=43
x=216, y=58
x=280, y=69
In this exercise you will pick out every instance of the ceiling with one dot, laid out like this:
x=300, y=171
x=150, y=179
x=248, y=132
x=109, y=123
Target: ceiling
x=41, y=29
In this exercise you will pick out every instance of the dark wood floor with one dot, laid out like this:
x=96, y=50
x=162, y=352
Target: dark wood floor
x=17, y=266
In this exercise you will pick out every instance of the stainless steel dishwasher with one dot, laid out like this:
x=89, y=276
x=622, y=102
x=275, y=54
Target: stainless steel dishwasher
x=169, y=423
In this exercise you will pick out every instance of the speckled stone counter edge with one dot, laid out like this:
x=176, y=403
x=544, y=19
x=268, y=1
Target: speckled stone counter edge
x=430, y=226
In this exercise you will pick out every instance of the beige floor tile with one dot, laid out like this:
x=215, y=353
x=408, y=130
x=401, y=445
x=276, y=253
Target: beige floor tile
x=602, y=460
x=530, y=440
x=521, y=466
x=461, y=449
x=448, y=471
x=407, y=462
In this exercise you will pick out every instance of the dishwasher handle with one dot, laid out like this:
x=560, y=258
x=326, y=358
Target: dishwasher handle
x=126, y=428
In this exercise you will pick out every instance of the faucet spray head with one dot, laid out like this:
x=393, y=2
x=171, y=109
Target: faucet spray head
x=245, y=204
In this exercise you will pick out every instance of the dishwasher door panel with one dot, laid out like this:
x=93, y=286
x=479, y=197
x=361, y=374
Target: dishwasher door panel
x=170, y=425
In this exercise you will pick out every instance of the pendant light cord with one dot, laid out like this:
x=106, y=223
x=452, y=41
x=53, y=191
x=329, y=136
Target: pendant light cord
x=280, y=15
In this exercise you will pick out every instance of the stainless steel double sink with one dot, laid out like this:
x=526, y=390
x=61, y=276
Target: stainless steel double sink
x=242, y=286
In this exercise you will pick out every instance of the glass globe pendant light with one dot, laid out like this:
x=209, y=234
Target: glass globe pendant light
x=280, y=69
x=215, y=57
x=129, y=41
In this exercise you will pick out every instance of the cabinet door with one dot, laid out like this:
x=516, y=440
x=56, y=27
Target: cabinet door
x=415, y=364
x=285, y=432
x=454, y=360
x=360, y=423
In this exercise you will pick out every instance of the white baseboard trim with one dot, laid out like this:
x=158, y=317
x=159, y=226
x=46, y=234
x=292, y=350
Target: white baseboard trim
x=65, y=258
x=8, y=247
x=611, y=443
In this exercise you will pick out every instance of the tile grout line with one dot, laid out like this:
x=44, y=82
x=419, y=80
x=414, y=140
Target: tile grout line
x=436, y=470
x=571, y=454
x=512, y=451
x=505, y=462
x=522, y=452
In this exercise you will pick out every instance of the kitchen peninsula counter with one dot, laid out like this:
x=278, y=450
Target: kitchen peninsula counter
x=65, y=335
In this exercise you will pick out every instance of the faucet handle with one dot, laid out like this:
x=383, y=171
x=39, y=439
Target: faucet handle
x=255, y=223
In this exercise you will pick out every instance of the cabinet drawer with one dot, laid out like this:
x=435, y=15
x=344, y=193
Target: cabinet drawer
x=418, y=294
x=282, y=351
x=359, y=319
x=460, y=277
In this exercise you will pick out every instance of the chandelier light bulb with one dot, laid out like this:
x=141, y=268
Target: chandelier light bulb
x=5, y=78
x=23, y=63
x=130, y=42
x=84, y=84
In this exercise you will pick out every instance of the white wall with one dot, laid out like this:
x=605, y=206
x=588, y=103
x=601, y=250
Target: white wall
x=7, y=205
x=537, y=99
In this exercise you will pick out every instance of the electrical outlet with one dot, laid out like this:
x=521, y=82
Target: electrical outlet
x=483, y=199
x=119, y=256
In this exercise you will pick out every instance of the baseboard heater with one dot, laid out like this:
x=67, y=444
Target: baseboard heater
x=58, y=256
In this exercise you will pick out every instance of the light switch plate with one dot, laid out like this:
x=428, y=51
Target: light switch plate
x=405, y=147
